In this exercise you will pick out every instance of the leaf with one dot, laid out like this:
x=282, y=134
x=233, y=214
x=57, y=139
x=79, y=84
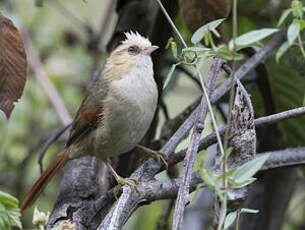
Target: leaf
x=169, y=75
x=10, y=205
x=211, y=181
x=224, y=52
x=282, y=50
x=248, y=210
x=4, y=219
x=12, y=65
x=14, y=216
x=195, y=50
x=297, y=9
x=208, y=177
x=293, y=32
x=174, y=49
x=287, y=86
x=251, y=37
x=302, y=24
x=247, y=170
x=283, y=17
x=8, y=200
x=230, y=219
x=200, y=33
x=233, y=183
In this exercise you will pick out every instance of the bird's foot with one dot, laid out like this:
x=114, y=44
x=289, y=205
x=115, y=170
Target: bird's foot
x=131, y=182
x=160, y=157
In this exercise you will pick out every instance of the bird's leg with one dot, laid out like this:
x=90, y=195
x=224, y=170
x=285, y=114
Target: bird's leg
x=158, y=156
x=131, y=182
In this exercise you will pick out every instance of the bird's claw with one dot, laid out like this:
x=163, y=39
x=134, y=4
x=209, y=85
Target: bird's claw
x=156, y=155
x=131, y=182
x=160, y=157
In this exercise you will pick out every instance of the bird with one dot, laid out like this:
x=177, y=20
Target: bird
x=115, y=114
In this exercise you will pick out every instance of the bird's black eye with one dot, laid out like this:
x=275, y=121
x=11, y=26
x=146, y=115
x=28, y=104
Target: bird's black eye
x=134, y=50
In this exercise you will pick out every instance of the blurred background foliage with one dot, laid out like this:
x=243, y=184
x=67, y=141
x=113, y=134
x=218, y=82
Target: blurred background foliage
x=60, y=31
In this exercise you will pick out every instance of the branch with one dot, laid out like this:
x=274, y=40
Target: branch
x=156, y=190
x=189, y=161
x=43, y=79
x=54, y=137
x=268, y=120
x=175, y=158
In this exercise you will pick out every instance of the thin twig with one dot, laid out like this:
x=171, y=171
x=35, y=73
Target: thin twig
x=69, y=15
x=106, y=20
x=54, y=137
x=268, y=120
x=172, y=23
x=43, y=79
x=205, y=142
x=223, y=210
x=193, y=148
x=97, y=38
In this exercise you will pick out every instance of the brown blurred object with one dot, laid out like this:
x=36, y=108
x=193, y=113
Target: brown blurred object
x=12, y=65
x=197, y=13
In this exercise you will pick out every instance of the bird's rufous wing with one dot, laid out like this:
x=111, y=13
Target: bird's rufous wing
x=90, y=113
x=85, y=121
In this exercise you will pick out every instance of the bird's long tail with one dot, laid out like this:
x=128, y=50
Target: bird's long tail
x=58, y=163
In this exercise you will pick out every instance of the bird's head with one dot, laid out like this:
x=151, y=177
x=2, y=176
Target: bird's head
x=135, y=50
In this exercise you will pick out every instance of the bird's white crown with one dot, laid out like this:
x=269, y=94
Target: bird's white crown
x=136, y=38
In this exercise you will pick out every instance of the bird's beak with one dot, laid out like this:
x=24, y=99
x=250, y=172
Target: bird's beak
x=149, y=50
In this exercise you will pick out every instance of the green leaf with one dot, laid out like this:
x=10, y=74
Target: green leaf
x=169, y=75
x=282, y=50
x=201, y=32
x=208, y=177
x=8, y=200
x=195, y=50
x=230, y=219
x=293, y=32
x=224, y=52
x=283, y=17
x=302, y=24
x=174, y=50
x=4, y=219
x=215, y=32
x=251, y=37
x=297, y=10
x=14, y=216
x=234, y=184
x=248, y=210
x=211, y=181
x=247, y=170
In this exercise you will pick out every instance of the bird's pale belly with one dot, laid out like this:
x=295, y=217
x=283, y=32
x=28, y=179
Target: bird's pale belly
x=128, y=120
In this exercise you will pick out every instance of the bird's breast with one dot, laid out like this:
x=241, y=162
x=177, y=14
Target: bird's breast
x=129, y=109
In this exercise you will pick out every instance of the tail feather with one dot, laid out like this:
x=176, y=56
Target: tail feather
x=58, y=163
